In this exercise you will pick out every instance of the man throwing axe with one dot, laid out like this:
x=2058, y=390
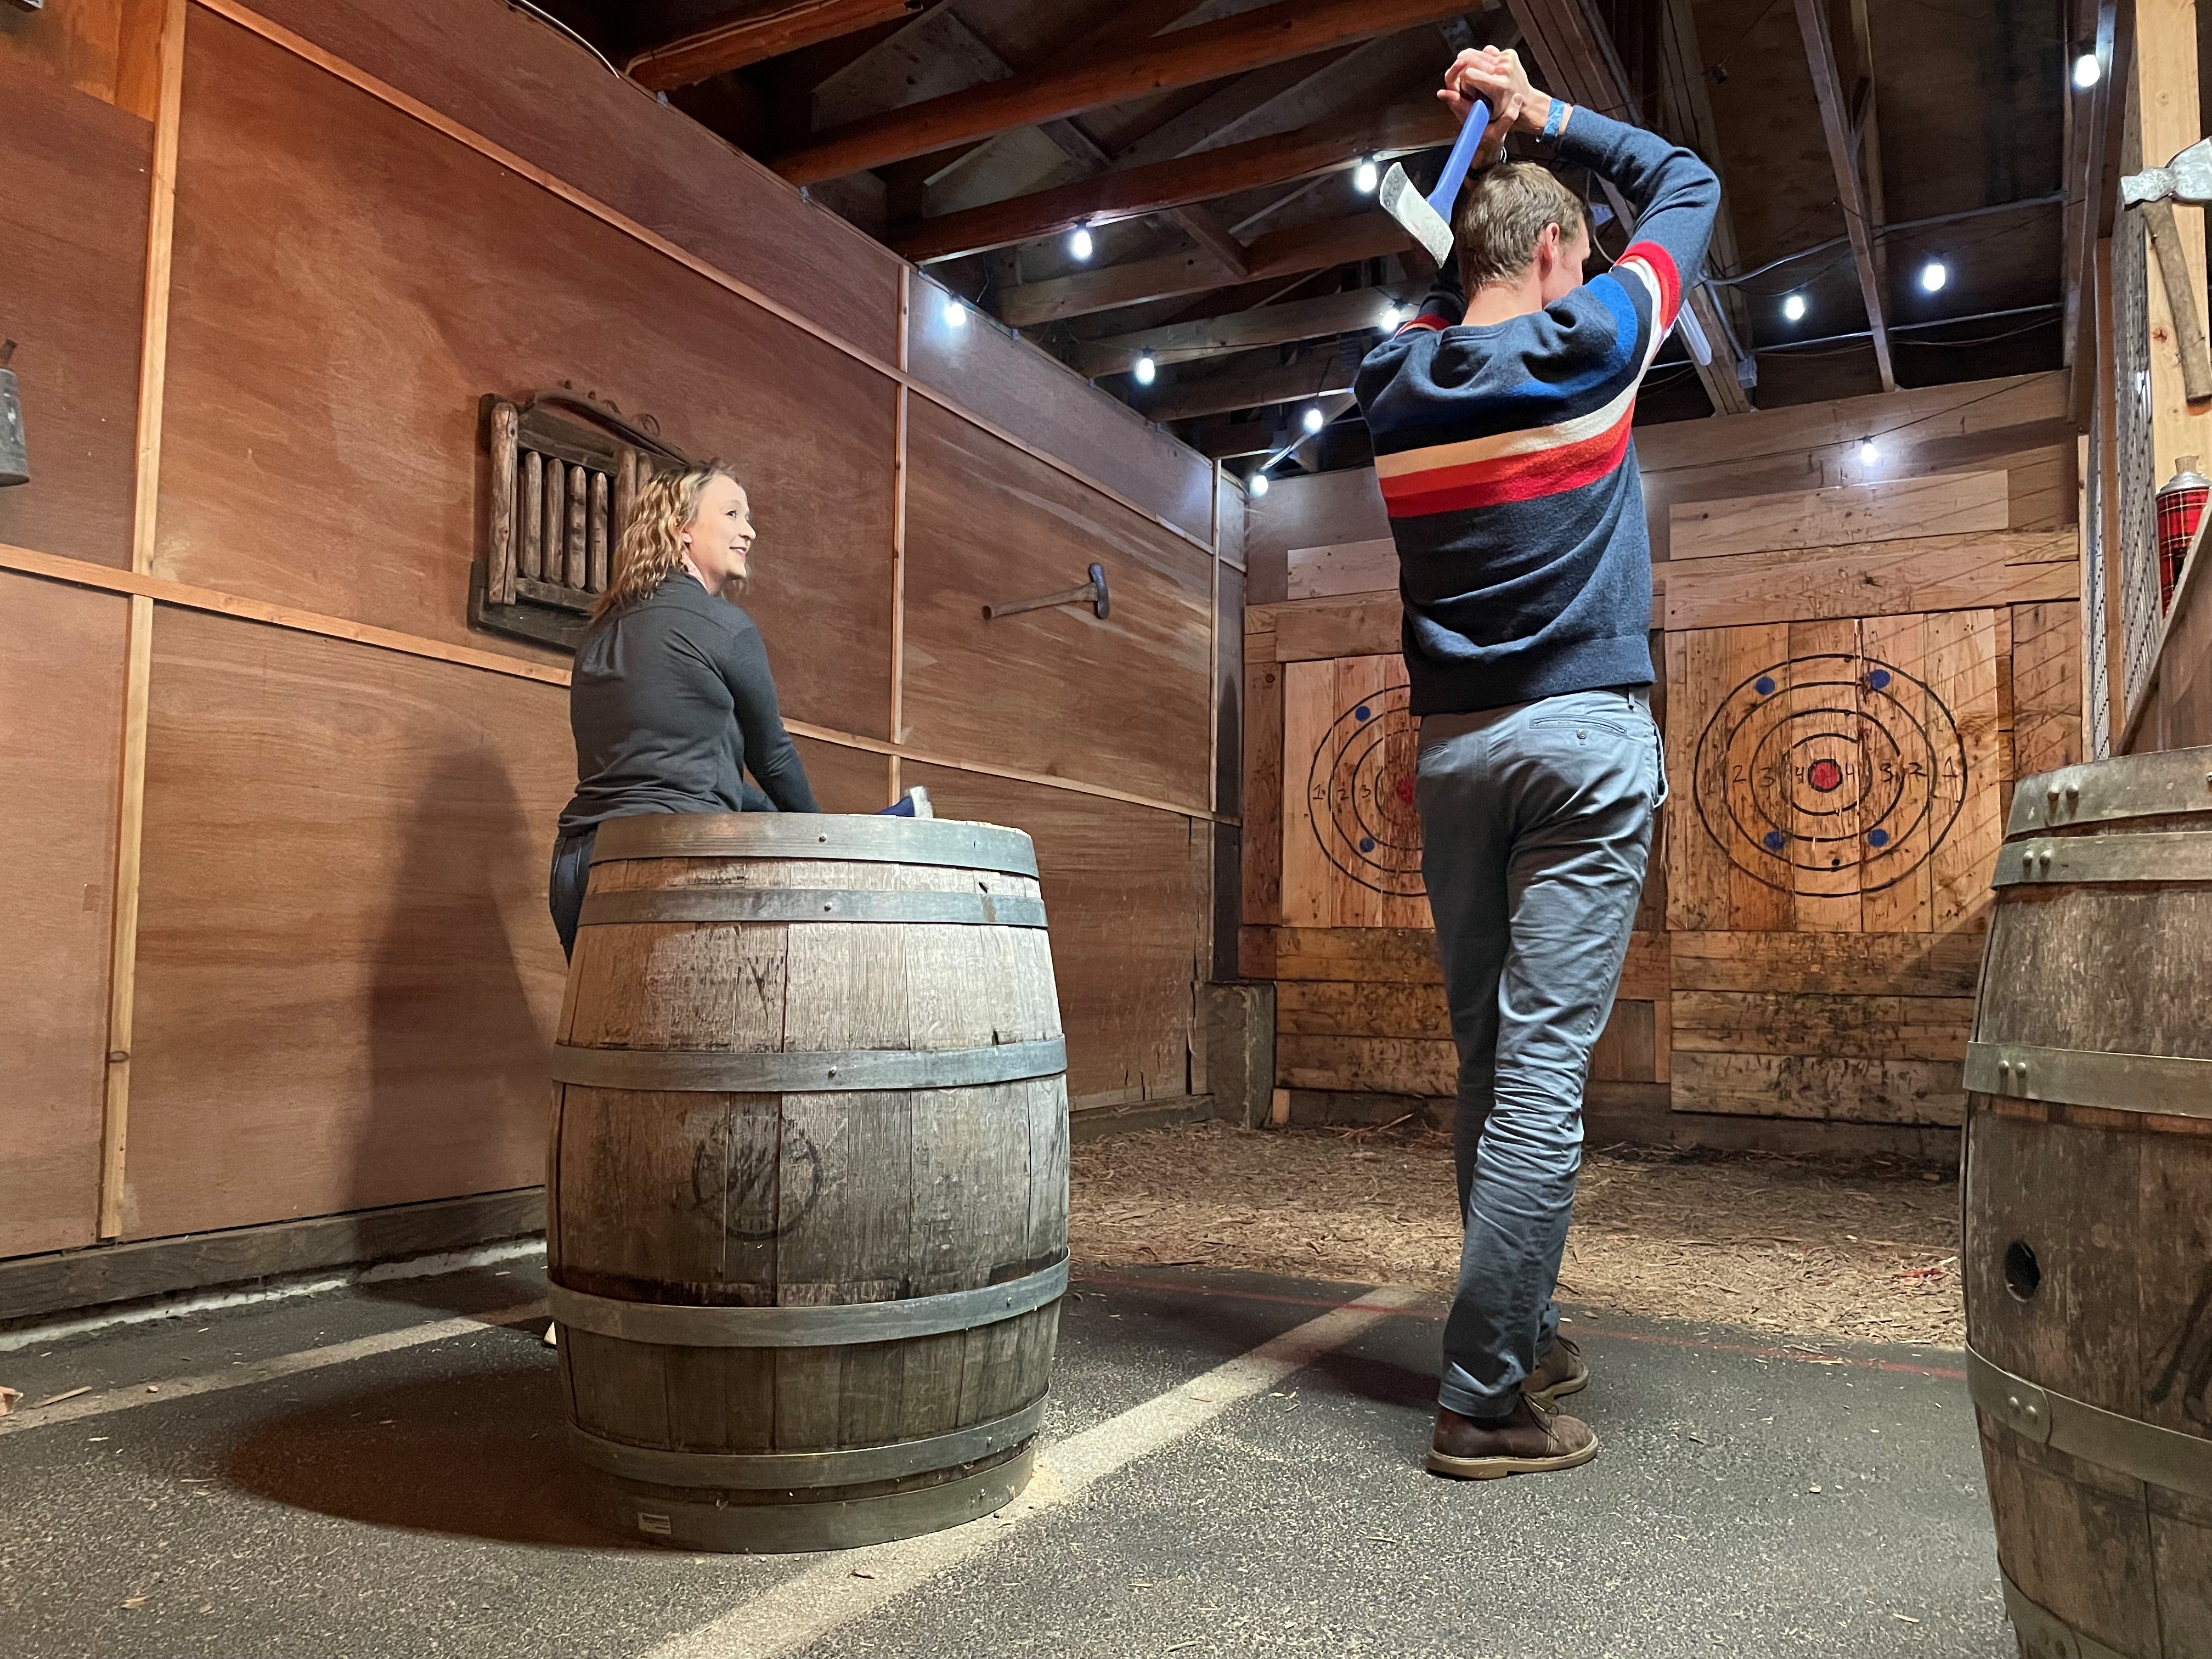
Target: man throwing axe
x=1501, y=418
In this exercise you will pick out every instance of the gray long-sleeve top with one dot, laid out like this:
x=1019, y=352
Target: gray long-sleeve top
x=670, y=703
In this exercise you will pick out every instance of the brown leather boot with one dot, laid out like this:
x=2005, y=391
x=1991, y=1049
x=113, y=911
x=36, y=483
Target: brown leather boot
x=1559, y=1372
x=1534, y=1440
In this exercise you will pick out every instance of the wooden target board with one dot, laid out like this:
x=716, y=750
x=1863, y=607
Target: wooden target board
x=1838, y=776
x=1352, y=840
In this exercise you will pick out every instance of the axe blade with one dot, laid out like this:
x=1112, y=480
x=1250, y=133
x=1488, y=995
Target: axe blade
x=1405, y=203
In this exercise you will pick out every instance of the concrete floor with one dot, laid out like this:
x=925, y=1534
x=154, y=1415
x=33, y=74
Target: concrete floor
x=1748, y=1501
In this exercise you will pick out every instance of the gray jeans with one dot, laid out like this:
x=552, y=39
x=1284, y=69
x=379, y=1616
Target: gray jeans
x=1535, y=829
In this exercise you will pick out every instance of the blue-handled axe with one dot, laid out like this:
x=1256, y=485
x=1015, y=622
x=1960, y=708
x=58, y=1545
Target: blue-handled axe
x=1427, y=218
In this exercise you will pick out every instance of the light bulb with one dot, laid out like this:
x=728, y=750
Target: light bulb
x=1256, y=484
x=1080, y=244
x=956, y=314
x=1870, y=453
x=1934, y=275
x=1396, y=315
x=1315, y=420
x=1793, y=309
x=1146, y=368
x=1364, y=178
x=2087, y=71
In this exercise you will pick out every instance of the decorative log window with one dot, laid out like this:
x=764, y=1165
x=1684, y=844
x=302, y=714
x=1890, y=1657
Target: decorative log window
x=561, y=490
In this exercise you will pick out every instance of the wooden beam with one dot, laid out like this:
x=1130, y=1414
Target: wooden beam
x=1209, y=51
x=1290, y=252
x=1224, y=439
x=2167, y=108
x=1835, y=122
x=2093, y=127
x=1316, y=376
x=1581, y=64
x=1240, y=331
x=755, y=37
x=1324, y=146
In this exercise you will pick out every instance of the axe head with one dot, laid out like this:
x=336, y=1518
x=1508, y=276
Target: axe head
x=1403, y=203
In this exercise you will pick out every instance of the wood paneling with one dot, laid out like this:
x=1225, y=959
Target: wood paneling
x=1826, y=1087
x=321, y=444
x=1125, y=896
x=104, y=48
x=1898, y=965
x=1931, y=572
x=1007, y=381
x=520, y=84
x=1351, y=840
x=64, y=658
x=347, y=976
x=845, y=780
x=2046, y=687
x=73, y=199
x=1319, y=573
x=1121, y=701
x=1947, y=503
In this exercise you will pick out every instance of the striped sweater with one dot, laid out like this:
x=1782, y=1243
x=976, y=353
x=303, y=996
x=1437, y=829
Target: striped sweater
x=1505, y=457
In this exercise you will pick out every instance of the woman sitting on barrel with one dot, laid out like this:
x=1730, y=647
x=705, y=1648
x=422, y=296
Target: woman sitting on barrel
x=672, y=701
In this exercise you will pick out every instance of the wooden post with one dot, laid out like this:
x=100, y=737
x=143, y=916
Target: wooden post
x=2170, y=121
x=579, y=543
x=625, y=498
x=499, y=557
x=898, y=543
x=130, y=793
x=595, y=574
x=557, y=519
x=533, y=515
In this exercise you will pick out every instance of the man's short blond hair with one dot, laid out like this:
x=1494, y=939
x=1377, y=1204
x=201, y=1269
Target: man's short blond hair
x=1501, y=213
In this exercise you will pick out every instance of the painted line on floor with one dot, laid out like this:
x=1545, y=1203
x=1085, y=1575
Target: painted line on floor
x=262, y=1370
x=807, y=1606
x=1412, y=1310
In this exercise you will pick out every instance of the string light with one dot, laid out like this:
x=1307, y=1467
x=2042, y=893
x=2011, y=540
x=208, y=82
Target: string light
x=1397, y=314
x=1315, y=420
x=2087, y=71
x=1080, y=244
x=1934, y=275
x=1364, y=178
x=1256, y=485
x=1146, y=368
x=1793, y=309
x=1870, y=453
x=956, y=314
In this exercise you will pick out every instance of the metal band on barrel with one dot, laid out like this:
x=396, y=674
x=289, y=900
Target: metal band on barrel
x=2174, y=780
x=797, y=1470
x=673, y=1325
x=2164, y=1085
x=873, y=840
x=2128, y=1445
x=713, y=1072
x=2160, y=855
x=753, y=904
x=2047, y=1635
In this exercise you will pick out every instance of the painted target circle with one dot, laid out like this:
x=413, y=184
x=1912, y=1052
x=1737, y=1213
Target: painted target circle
x=1361, y=789
x=1830, y=775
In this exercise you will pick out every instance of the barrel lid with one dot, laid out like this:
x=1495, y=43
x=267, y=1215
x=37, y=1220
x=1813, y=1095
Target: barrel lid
x=2177, y=781
x=871, y=839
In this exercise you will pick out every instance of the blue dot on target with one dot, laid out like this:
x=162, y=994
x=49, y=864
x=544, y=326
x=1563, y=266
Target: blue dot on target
x=1764, y=685
x=1360, y=713
x=1878, y=678
x=1775, y=839
x=1367, y=843
x=1877, y=837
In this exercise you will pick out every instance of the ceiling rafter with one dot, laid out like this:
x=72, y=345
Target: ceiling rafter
x=1205, y=52
x=1317, y=318
x=755, y=38
x=1851, y=190
x=1325, y=147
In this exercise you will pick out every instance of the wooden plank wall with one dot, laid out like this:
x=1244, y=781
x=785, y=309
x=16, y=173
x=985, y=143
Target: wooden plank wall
x=1770, y=977
x=341, y=979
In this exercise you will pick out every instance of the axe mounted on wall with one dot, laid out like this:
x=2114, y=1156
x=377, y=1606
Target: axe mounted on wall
x=2187, y=178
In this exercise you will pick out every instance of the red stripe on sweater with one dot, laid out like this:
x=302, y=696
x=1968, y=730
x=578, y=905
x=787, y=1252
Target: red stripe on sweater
x=1515, y=478
x=1428, y=322
x=1661, y=264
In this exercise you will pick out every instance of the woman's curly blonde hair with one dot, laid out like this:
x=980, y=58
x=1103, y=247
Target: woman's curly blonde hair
x=649, y=549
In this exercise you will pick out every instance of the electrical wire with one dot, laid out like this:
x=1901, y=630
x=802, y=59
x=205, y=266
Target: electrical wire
x=545, y=16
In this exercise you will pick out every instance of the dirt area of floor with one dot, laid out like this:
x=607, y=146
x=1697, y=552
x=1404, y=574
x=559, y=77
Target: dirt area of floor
x=1782, y=1244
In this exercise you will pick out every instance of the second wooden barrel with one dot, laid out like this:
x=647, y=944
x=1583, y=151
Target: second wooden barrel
x=807, y=1193
x=2088, y=1210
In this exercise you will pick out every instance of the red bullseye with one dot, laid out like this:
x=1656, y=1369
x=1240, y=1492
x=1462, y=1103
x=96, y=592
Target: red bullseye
x=1824, y=776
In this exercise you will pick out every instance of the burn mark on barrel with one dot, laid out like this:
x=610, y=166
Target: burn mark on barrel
x=761, y=1192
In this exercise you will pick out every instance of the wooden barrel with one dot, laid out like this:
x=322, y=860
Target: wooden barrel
x=807, y=1193
x=2088, y=1210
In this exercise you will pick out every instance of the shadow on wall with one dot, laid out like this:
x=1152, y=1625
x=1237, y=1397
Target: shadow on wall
x=464, y=989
